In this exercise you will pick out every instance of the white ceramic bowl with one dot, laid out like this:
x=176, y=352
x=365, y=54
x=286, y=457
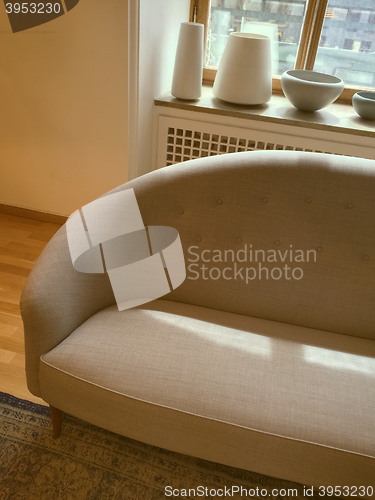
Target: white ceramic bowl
x=364, y=104
x=310, y=90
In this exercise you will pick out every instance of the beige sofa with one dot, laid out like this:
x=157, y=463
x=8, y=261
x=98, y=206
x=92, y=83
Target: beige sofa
x=274, y=375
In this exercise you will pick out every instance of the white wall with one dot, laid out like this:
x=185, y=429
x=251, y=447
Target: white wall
x=63, y=105
x=159, y=28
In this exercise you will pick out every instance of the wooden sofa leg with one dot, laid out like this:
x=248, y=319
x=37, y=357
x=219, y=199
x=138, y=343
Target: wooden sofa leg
x=57, y=419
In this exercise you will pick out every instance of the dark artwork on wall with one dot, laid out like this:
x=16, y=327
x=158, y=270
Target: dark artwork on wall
x=25, y=15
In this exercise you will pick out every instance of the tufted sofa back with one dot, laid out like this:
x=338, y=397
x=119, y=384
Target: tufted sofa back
x=311, y=212
x=243, y=217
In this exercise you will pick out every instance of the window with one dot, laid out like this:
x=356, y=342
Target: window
x=354, y=16
x=365, y=46
x=281, y=21
x=348, y=44
x=331, y=36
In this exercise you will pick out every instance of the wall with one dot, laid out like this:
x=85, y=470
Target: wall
x=159, y=29
x=63, y=102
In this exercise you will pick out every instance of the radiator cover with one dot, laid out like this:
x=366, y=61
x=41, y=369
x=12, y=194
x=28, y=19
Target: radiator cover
x=181, y=139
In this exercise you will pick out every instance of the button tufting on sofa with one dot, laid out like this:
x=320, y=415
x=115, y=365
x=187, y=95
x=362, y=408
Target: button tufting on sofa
x=308, y=200
x=269, y=374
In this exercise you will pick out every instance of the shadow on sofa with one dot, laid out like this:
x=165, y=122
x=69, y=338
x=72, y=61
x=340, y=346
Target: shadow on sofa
x=269, y=369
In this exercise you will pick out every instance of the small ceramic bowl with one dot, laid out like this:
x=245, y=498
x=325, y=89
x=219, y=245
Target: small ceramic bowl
x=310, y=90
x=364, y=104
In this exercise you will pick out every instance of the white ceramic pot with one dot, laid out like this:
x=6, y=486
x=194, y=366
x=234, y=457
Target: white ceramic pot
x=244, y=74
x=310, y=90
x=364, y=104
x=188, y=67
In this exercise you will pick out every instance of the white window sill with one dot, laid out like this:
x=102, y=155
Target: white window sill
x=334, y=118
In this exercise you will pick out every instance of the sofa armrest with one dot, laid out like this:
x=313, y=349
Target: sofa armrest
x=55, y=301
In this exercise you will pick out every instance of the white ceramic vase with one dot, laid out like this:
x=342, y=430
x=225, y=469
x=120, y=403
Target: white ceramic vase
x=244, y=75
x=188, y=67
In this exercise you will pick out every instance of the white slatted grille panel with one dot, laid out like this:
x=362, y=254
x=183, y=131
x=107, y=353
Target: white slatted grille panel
x=181, y=140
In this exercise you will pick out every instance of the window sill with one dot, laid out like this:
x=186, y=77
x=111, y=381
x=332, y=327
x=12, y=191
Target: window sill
x=337, y=117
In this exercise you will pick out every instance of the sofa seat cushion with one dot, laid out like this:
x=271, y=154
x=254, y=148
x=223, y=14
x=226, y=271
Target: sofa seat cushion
x=306, y=391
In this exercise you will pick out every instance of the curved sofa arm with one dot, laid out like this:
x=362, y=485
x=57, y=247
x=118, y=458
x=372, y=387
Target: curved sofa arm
x=55, y=301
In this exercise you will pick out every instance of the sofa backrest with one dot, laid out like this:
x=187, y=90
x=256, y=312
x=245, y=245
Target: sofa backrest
x=311, y=212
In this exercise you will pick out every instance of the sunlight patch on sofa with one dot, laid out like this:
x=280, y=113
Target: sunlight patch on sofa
x=216, y=334
x=340, y=360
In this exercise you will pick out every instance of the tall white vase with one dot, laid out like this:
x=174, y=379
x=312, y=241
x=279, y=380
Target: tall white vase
x=188, y=67
x=244, y=75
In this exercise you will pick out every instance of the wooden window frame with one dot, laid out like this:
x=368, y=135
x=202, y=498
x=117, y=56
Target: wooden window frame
x=307, y=49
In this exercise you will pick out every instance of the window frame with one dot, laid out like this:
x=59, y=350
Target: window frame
x=307, y=49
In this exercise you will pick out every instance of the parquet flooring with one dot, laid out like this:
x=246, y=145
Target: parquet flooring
x=21, y=242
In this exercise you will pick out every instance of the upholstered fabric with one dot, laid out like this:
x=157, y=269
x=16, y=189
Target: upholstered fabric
x=55, y=300
x=274, y=385
x=274, y=199
x=273, y=374
x=270, y=200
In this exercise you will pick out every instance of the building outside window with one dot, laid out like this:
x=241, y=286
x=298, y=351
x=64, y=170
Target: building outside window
x=345, y=44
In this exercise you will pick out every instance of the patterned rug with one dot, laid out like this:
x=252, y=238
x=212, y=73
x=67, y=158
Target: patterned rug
x=89, y=463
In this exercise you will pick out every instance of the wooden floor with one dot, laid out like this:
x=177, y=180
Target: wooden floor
x=21, y=242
